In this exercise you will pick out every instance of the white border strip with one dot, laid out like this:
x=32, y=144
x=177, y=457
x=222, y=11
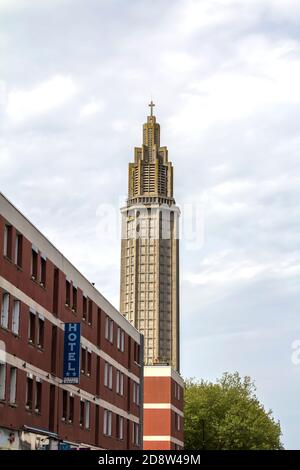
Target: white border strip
x=17, y=362
x=162, y=406
x=163, y=439
x=15, y=292
x=163, y=371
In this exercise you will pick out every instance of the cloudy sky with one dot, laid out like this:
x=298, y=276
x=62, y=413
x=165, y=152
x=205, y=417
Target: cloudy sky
x=75, y=80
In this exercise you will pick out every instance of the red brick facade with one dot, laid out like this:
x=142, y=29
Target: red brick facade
x=41, y=288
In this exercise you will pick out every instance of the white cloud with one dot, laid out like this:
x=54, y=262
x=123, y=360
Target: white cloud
x=241, y=271
x=91, y=108
x=44, y=97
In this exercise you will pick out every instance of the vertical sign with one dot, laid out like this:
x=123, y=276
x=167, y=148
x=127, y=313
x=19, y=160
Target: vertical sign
x=72, y=353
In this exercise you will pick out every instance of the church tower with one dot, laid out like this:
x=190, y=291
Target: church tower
x=149, y=296
x=150, y=285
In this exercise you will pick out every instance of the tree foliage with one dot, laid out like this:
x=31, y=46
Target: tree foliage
x=227, y=415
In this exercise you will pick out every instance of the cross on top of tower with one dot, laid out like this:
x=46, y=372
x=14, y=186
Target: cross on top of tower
x=151, y=106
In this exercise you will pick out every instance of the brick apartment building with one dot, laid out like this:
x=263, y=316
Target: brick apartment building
x=40, y=291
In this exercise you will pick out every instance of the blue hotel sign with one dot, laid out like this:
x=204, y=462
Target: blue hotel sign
x=72, y=353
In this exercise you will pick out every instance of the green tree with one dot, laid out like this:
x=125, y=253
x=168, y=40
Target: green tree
x=227, y=415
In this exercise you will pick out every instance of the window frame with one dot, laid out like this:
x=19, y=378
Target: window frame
x=5, y=307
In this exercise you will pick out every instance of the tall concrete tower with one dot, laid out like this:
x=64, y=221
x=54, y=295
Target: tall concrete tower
x=150, y=250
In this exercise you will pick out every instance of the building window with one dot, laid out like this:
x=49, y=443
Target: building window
x=136, y=393
x=34, y=264
x=64, y=405
x=43, y=272
x=83, y=360
x=108, y=371
x=90, y=318
x=120, y=383
x=106, y=374
x=109, y=329
x=71, y=409
x=121, y=340
x=87, y=414
x=74, y=306
x=177, y=391
x=41, y=331
x=18, y=250
x=2, y=380
x=106, y=327
x=53, y=349
x=31, y=328
x=84, y=309
x=136, y=434
x=68, y=293
x=13, y=385
x=89, y=363
x=177, y=422
x=120, y=427
x=5, y=310
x=16, y=317
x=29, y=392
x=7, y=240
x=55, y=290
x=107, y=422
x=99, y=327
x=86, y=362
x=110, y=377
x=136, y=353
x=81, y=418
x=38, y=396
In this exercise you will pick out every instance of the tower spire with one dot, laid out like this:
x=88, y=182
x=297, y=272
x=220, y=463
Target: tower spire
x=151, y=104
